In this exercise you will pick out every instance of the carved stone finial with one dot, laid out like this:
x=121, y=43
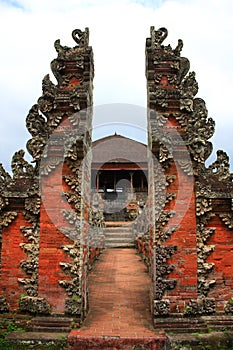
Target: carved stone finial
x=221, y=167
x=157, y=36
x=178, y=48
x=35, y=122
x=200, y=128
x=81, y=37
x=184, y=68
x=4, y=176
x=20, y=167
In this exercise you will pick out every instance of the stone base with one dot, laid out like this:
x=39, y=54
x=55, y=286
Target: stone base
x=210, y=341
x=37, y=340
x=199, y=324
x=158, y=342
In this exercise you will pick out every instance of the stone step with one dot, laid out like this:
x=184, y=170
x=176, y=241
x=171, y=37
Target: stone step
x=76, y=342
x=38, y=340
x=118, y=234
x=117, y=230
x=111, y=242
x=119, y=239
x=219, y=323
x=51, y=324
x=119, y=245
x=118, y=224
x=180, y=324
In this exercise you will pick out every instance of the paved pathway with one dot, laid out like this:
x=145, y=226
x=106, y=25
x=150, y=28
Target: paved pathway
x=118, y=296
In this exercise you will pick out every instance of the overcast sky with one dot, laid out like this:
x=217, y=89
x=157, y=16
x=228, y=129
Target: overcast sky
x=118, y=30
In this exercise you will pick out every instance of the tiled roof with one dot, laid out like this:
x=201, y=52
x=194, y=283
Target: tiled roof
x=117, y=148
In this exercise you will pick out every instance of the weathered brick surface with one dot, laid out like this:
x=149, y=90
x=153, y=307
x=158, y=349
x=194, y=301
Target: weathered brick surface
x=119, y=314
x=52, y=240
x=11, y=256
x=184, y=238
x=222, y=257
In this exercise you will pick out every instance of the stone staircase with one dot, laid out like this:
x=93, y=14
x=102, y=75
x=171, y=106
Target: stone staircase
x=119, y=235
x=46, y=332
x=51, y=324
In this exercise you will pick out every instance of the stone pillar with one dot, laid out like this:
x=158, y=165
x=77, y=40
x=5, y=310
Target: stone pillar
x=172, y=205
x=65, y=174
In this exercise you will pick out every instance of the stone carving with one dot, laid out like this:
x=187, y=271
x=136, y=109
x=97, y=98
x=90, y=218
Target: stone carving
x=30, y=265
x=157, y=37
x=20, y=167
x=227, y=218
x=34, y=306
x=221, y=167
x=3, y=202
x=170, y=196
x=199, y=130
x=186, y=104
x=204, y=268
x=73, y=181
x=159, y=190
x=96, y=218
x=183, y=69
x=58, y=66
x=178, y=48
x=73, y=306
x=73, y=269
x=5, y=178
x=72, y=287
x=159, y=96
x=155, y=42
x=201, y=306
x=170, y=179
x=6, y=218
x=162, y=254
x=74, y=166
x=71, y=217
x=161, y=232
x=81, y=37
x=48, y=87
x=165, y=156
x=73, y=146
x=96, y=228
x=189, y=86
x=37, y=126
x=203, y=206
x=32, y=204
x=161, y=307
x=74, y=199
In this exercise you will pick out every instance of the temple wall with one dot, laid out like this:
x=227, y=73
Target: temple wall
x=191, y=235
x=12, y=254
x=48, y=241
x=221, y=257
x=184, y=260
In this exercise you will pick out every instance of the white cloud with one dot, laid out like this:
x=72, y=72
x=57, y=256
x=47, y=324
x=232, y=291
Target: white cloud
x=118, y=30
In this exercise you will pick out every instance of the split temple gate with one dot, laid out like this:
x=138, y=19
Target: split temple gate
x=52, y=229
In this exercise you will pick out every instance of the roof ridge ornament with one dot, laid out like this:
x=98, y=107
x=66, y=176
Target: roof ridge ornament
x=81, y=37
x=157, y=36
